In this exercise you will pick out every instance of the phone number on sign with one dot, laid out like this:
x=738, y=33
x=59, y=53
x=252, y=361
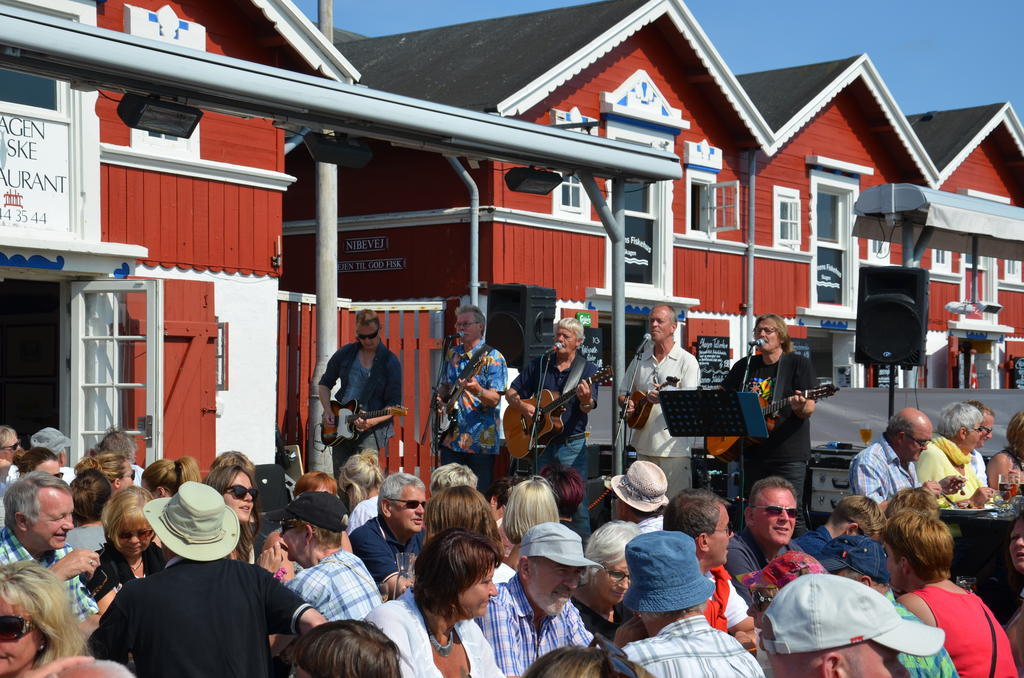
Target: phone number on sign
x=17, y=217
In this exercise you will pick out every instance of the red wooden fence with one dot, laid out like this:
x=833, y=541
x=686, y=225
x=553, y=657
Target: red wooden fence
x=409, y=329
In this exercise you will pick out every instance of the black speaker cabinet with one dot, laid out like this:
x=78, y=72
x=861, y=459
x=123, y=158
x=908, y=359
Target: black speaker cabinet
x=892, y=315
x=520, y=321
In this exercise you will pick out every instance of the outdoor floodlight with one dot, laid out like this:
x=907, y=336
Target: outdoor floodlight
x=530, y=180
x=338, y=149
x=969, y=307
x=160, y=117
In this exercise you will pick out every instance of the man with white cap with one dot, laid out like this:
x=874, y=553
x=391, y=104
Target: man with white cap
x=641, y=495
x=203, y=615
x=529, y=617
x=829, y=626
x=669, y=593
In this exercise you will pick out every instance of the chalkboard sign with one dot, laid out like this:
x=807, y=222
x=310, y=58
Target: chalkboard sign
x=714, y=359
x=591, y=346
x=1018, y=372
x=802, y=347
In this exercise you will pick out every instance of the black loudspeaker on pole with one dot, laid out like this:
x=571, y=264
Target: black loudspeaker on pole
x=892, y=316
x=520, y=321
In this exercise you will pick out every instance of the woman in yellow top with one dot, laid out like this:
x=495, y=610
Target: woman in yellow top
x=949, y=454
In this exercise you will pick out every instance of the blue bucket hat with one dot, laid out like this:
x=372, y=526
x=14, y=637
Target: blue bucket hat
x=856, y=552
x=664, y=573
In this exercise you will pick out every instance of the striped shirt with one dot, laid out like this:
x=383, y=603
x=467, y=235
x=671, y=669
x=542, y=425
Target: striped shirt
x=339, y=587
x=12, y=551
x=509, y=628
x=690, y=648
x=876, y=472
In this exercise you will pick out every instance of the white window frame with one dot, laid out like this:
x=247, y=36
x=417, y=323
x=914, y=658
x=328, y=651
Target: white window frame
x=942, y=261
x=660, y=207
x=1011, y=270
x=561, y=208
x=784, y=195
x=847, y=190
x=77, y=108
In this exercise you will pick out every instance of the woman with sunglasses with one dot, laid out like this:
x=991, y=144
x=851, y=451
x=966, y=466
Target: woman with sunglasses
x=114, y=465
x=599, y=596
x=36, y=624
x=432, y=623
x=238, y=488
x=960, y=432
x=129, y=552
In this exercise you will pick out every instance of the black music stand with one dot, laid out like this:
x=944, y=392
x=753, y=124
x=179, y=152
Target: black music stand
x=713, y=413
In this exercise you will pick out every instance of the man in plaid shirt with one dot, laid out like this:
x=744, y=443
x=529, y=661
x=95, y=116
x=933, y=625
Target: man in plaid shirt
x=38, y=510
x=530, y=616
x=334, y=581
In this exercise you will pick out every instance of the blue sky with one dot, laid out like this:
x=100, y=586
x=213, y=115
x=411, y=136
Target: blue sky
x=934, y=55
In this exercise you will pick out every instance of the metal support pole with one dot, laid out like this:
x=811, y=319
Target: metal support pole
x=318, y=455
x=474, y=229
x=614, y=220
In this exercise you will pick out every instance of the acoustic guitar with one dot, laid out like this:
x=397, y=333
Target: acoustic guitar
x=552, y=407
x=345, y=415
x=727, y=448
x=642, y=406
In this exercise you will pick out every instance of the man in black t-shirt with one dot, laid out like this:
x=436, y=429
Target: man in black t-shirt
x=776, y=367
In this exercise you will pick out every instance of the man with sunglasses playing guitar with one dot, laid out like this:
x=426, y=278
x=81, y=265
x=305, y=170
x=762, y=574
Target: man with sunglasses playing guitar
x=371, y=375
x=776, y=373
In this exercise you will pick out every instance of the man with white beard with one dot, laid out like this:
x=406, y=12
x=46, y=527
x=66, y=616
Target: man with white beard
x=529, y=617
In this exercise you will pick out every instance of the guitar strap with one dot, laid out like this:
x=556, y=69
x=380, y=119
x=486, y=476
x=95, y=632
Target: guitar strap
x=579, y=363
x=782, y=378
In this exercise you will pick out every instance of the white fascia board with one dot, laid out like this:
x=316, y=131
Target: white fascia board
x=211, y=170
x=862, y=68
x=973, y=193
x=842, y=165
x=307, y=40
x=535, y=91
x=1005, y=115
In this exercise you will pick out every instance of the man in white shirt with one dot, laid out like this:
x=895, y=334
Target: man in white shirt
x=988, y=420
x=648, y=373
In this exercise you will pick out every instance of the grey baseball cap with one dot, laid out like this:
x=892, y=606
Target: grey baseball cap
x=556, y=542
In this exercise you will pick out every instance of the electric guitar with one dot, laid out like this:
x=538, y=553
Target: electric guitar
x=727, y=448
x=345, y=415
x=551, y=407
x=444, y=417
x=642, y=406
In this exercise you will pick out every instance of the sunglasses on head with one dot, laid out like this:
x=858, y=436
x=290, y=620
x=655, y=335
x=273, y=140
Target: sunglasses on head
x=776, y=511
x=239, y=492
x=368, y=336
x=141, y=534
x=12, y=627
x=761, y=599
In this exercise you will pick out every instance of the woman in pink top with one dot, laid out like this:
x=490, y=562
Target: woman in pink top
x=920, y=552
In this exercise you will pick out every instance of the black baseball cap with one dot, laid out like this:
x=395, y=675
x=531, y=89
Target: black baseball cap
x=322, y=509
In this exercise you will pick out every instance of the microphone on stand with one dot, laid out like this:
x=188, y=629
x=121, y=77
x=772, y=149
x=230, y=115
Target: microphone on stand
x=646, y=340
x=756, y=342
x=457, y=335
x=558, y=346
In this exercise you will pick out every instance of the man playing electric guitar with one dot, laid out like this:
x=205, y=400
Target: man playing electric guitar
x=661, y=359
x=777, y=373
x=370, y=374
x=473, y=437
x=568, y=447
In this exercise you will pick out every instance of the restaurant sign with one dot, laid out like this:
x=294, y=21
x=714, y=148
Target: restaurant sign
x=34, y=183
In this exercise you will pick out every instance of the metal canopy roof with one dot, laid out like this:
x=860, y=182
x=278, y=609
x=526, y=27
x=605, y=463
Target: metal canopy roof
x=953, y=222
x=95, y=57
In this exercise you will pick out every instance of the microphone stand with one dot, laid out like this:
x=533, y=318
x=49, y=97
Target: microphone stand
x=619, y=428
x=545, y=360
x=743, y=440
x=435, y=443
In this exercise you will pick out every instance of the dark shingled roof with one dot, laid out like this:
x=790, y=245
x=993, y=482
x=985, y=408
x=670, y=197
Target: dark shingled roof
x=341, y=36
x=945, y=133
x=476, y=65
x=780, y=94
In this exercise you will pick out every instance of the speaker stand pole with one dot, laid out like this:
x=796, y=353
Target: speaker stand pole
x=892, y=391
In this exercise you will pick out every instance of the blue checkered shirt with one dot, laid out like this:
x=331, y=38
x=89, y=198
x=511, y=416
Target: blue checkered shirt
x=690, y=648
x=508, y=627
x=876, y=472
x=11, y=551
x=339, y=587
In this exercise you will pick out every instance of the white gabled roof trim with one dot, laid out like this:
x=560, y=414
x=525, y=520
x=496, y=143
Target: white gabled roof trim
x=307, y=40
x=1007, y=116
x=534, y=92
x=862, y=68
x=841, y=165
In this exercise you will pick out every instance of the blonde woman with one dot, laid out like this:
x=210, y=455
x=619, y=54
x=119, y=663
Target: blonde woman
x=358, y=484
x=530, y=503
x=164, y=476
x=36, y=624
x=129, y=552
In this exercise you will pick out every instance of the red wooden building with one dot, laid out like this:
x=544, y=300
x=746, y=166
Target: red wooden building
x=782, y=154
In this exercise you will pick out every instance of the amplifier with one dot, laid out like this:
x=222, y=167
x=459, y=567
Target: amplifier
x=829, y=471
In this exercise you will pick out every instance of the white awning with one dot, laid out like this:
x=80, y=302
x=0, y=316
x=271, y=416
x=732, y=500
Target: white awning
x=948, y=221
